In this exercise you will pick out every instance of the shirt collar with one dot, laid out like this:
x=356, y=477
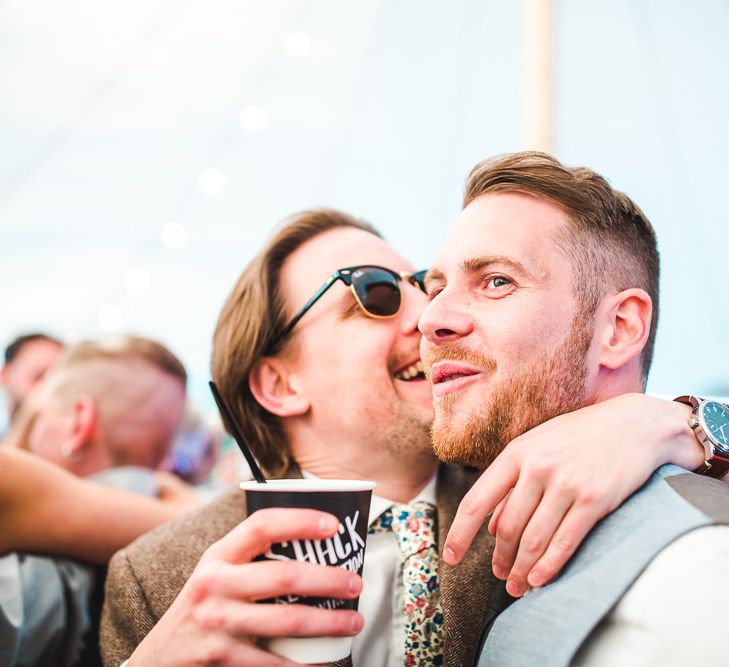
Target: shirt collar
x=379, y=503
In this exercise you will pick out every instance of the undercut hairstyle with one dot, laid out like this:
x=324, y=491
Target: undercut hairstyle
x=252, y=319
x=122, y=348
x=12, y=350
x=93, y=366
x=609, y=241
x=107, y=370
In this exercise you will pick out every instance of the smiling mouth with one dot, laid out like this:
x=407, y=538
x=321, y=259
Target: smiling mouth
x=454, y=376
x=446, y=377
x=412, y=372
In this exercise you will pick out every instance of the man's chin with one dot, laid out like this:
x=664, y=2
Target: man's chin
x=464, y=446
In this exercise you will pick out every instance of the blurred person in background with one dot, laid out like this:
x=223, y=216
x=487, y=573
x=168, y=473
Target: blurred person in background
x=47, y=604
x=27, y=359
x=115, y=402
x=194, y=451
x=109, y=409
x=44, y=509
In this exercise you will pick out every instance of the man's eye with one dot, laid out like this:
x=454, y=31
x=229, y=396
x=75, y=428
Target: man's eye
x=496, y=282
x=433, y=292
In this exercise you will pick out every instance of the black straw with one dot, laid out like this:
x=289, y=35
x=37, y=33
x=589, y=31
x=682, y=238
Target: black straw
x=236, y=432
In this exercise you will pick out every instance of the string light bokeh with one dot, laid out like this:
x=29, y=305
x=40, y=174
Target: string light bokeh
x=149, y=148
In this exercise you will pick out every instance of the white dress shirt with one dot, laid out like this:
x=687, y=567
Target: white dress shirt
x=382, y=640
x=674, y=613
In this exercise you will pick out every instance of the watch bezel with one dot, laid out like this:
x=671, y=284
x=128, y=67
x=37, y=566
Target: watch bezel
x=719, y=448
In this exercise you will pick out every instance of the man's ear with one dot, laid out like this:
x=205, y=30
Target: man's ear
x=274, y=388
x=623, y=327
x=82, y=427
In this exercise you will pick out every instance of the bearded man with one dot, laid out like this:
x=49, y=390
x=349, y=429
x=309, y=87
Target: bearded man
x=544, y=299
x=317, y=352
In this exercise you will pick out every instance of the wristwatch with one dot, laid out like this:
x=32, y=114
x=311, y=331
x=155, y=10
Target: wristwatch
x=710, y=422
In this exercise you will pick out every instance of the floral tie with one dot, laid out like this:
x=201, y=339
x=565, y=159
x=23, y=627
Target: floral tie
x=415, y=528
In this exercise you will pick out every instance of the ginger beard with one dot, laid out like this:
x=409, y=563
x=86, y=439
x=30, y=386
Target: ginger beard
x=550, y=385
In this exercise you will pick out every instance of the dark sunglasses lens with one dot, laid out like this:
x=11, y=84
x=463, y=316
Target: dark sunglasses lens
x=377, y=290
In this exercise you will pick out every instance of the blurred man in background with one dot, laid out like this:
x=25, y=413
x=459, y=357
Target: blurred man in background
x=116, y=402
x=27, y=359
x=195, y=450
x=112, y=403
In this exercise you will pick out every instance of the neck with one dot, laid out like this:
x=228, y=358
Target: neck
x=90, y=459
x=399, y=477
x=612, y=383
x=393, y=485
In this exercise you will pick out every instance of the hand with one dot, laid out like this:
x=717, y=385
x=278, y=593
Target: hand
x=552, y=484
x=171, y=489
x=215, y=619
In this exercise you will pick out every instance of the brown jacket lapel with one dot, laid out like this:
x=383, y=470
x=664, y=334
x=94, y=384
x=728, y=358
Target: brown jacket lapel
x=470, y=593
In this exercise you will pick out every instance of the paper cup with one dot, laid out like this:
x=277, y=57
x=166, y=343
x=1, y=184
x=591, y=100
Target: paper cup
x=349, y=501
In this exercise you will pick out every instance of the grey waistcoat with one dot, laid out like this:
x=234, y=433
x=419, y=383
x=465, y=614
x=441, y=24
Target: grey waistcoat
x=547, y=626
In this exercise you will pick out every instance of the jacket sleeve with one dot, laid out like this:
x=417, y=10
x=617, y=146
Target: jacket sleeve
x=126, y=618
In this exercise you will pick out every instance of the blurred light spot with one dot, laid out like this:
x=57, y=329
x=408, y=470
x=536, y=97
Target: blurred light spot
x=109, y=317
x=253, y=118
x=211, y=181
x=297, y=45
x=137, y=280
x=174, y=235
x=213, y=421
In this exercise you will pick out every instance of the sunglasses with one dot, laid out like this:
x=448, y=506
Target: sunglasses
x=376, y=289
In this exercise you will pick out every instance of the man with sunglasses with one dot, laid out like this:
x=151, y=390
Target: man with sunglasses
x=324, y=377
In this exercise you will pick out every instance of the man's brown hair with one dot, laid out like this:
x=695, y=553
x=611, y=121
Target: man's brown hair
x=610, y=242
x=252, y=318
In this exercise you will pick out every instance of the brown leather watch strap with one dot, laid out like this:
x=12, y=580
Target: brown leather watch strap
x=688, y=399
x=717, y=468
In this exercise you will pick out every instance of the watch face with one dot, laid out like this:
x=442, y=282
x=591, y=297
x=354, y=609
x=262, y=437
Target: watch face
x=714, y=420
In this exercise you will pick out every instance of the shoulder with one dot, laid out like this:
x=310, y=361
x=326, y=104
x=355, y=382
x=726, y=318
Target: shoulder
x=668, y=606
x=145, y=578
x=191, y=533
x=162, y=560
x=671, y=502
x=707, y=495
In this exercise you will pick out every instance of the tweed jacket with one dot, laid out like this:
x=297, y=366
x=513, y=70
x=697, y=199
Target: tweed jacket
x=145, y=578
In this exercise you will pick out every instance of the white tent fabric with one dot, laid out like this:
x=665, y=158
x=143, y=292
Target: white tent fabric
x=113, y=114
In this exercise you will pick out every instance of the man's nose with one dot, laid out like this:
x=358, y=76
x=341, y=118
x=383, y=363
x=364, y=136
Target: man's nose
x=442, y=320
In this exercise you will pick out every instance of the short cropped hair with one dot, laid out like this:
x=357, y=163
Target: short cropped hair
x=111, y=371
x=609, y=240
x=249, y=326
x=121, y=348
x=12, y=350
